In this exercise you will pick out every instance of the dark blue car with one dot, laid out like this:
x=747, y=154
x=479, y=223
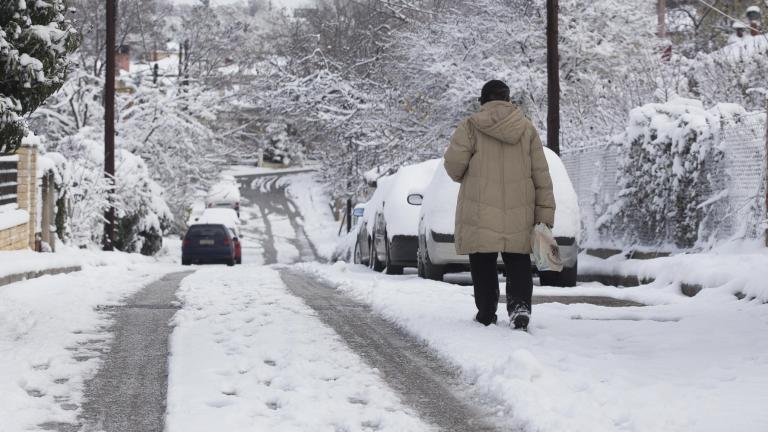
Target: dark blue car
x=208, y=244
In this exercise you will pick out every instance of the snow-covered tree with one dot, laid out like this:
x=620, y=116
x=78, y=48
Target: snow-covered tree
x=142, y=212
x=165, y=126
x=36, y=38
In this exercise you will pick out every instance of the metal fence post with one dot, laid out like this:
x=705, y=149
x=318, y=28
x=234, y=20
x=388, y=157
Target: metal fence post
x=765, y=175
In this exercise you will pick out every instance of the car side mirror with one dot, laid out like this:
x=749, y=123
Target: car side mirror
x=415, y=199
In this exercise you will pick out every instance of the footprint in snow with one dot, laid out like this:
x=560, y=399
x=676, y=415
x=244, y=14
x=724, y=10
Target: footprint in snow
x=220, y=403
x=371, y=425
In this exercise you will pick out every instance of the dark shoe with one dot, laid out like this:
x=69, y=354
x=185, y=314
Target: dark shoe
x=520, y=317
x=486, y=322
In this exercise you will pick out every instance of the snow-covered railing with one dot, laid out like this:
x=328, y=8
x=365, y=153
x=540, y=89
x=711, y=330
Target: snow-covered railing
x=9, y=166
x=736, y=203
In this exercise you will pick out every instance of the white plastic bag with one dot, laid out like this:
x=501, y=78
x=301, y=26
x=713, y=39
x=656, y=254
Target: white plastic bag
x=546, y=253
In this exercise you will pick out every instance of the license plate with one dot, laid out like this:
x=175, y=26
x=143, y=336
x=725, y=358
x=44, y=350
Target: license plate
x=206, y=242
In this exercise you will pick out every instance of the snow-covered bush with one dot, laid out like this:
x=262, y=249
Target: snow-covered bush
x=142, y=212
x=735, y=73
x=35, y=40
x=669, y=166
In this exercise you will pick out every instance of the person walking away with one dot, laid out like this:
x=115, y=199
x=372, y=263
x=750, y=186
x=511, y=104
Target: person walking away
x=498, y=158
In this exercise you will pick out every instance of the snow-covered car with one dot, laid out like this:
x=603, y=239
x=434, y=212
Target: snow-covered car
x=345, y=247
x=224, y=194
x=227, y=217
x=437, y=253
x=387, y=237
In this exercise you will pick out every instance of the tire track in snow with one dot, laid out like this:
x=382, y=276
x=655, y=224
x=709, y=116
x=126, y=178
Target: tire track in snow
x=422, y=380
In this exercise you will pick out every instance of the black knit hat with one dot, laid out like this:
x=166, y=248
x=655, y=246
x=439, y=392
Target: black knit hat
x=494, y=90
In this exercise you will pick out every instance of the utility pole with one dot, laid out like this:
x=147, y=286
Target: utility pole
x=661, y=11
x=553, y=78
x=109, y=126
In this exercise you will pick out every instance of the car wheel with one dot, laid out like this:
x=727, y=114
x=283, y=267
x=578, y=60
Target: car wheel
x=391, y=268
x=565, y=278
x=185, y=261
x=432, y=271
x=376, y=265
x=231, y=262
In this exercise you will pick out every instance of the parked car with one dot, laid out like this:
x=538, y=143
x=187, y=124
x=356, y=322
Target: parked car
x=208, y=243
x=224, y=194
x=345, y=247
x=437, y=253
x=388, y=234
x=362, y=251
x=227, y=217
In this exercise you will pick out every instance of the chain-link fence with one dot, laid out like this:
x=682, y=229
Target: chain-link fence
x=744, y=212
x=736, y=207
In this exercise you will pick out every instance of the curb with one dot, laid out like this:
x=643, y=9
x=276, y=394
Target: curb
x=18, y=277
x=628, y=281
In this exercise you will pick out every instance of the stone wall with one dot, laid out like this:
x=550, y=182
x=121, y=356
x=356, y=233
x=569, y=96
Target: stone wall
x=15, y=238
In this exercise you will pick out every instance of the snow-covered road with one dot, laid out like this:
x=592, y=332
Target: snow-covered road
x=263, y=353
x=286, y=342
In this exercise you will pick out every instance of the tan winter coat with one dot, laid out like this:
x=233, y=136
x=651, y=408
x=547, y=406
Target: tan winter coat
x=506, y=189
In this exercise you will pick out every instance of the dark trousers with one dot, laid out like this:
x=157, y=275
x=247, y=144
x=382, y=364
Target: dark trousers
x=485, y=278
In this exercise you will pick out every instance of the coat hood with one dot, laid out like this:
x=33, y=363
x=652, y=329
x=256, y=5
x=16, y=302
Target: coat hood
x=501, y=120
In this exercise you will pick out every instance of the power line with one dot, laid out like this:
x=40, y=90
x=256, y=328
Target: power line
x=732, y=18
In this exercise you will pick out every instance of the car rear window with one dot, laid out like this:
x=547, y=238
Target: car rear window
x=206, y=231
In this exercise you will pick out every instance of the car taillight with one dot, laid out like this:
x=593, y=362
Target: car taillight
x=186, y=242
x=226, y=242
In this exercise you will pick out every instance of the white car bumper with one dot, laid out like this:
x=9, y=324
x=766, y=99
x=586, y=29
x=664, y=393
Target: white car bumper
x=444, y=253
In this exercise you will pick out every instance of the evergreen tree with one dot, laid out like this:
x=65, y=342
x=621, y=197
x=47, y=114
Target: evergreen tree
x=35, y=40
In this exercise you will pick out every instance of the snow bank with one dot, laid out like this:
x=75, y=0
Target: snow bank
x=247, y=355
x=24, y=261
x=692, y=365
x=735, y=268
x=51, y=336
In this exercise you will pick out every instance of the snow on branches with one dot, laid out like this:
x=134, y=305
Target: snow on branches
x=35, y=40
x=142, y=212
